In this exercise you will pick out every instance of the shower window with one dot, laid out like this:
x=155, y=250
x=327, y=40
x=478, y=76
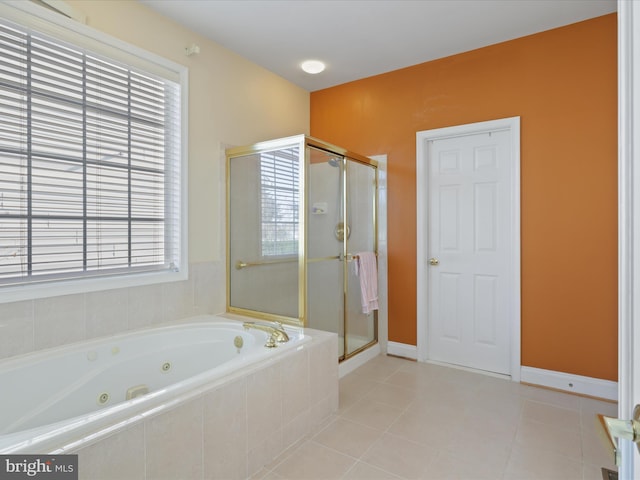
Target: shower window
x=279, y=198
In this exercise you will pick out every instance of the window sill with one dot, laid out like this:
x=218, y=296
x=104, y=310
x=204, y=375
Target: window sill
x=85, y=285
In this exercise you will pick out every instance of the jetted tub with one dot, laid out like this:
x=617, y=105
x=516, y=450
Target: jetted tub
x=58, y=399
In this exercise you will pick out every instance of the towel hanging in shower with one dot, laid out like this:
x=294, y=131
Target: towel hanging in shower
x=365, y=268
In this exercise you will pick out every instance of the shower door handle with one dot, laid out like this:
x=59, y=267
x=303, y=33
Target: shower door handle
x=434, y=262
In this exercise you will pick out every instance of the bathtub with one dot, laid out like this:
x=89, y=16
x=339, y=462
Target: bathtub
x=61, y=399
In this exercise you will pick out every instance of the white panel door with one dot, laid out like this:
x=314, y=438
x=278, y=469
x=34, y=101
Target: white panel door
x=469, y=250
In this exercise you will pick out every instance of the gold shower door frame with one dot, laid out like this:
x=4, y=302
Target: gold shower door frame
x=304, y=143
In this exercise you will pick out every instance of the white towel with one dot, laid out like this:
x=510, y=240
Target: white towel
x=365, y=268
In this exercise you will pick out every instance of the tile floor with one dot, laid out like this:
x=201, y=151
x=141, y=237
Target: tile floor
x=405, y=420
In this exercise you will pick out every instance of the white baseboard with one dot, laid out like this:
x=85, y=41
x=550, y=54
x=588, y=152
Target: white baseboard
x=593, y=387
x=402, y=350
x=349, y=365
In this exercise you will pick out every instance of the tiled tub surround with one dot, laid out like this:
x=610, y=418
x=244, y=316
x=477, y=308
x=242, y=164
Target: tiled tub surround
x=227, y=428
x=231, y=431
x=60, y=396
x=31, y=325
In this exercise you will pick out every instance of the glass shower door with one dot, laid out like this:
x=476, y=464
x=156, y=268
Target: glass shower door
x=325, y=281
x=360, y=320
x=341, y=225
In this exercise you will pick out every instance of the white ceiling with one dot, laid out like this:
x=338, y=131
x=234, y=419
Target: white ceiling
x=361, y=38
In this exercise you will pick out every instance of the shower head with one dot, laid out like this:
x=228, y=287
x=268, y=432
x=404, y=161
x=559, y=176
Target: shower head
x=334, y=162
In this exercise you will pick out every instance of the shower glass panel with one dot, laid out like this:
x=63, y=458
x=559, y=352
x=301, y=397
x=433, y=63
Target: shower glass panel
x=361, y=329
x=264, y=231
x=325, y=305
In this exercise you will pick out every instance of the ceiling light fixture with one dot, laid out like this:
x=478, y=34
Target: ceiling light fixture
x=312, y=66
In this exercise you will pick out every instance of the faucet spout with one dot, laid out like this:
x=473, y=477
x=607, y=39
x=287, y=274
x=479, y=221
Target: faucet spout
x=277, y=334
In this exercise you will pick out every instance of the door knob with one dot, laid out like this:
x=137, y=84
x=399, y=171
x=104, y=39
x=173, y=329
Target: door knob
x=434, y=261
x=626, y=429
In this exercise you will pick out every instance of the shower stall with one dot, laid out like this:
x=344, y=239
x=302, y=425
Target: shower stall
x=300, y=213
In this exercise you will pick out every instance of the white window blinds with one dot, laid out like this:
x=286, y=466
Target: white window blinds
x=89, y=163
x=279, y=181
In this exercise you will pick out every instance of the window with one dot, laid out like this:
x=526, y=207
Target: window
x=279, y=178
x=90, y=163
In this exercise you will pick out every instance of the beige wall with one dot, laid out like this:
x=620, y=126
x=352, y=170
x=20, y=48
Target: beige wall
x=231, y=102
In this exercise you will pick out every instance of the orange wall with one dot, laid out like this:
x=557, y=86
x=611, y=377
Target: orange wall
x=563, y=85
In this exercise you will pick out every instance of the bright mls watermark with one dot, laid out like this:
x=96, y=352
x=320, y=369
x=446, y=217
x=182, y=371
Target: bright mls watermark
x=51, y=467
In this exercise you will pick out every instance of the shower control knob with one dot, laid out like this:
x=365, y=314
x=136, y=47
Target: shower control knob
x=434, y=261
